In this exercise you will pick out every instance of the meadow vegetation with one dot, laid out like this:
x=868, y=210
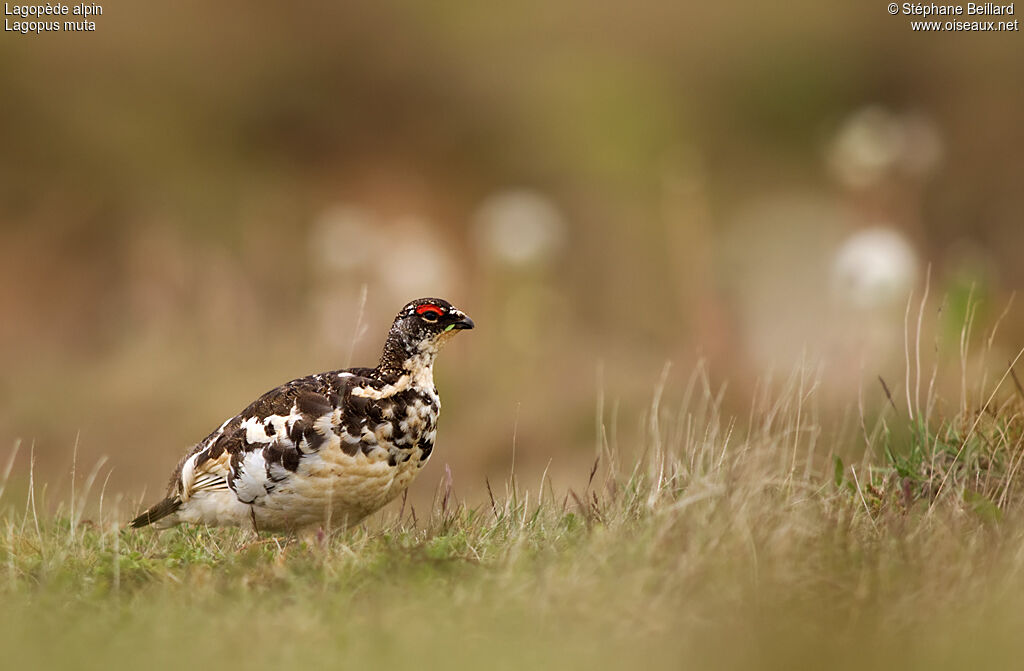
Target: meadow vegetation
x=199, y=203
x=724, y=543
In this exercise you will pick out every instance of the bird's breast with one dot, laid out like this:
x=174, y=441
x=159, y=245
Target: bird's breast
x=368, y=461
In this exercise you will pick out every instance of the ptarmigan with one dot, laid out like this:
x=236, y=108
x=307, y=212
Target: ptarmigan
x=325, y=450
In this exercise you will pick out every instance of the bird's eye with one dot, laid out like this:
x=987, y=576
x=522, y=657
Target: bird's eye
x=429, y=313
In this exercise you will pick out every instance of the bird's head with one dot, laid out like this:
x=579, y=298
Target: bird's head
x=419, y=331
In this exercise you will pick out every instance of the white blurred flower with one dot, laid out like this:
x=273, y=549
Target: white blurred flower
x=344, y=238
x=416, y=261
x=873, y=268
x=353, y=250
x=873, y=142
x=519, y=227
x=867, y=145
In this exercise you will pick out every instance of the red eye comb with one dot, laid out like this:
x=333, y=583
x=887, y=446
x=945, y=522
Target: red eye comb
x=423, y=309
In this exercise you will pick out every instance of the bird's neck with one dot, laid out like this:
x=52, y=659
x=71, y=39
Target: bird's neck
x=401, y=358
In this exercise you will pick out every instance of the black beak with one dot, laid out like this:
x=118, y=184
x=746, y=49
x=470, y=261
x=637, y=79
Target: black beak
x=463, y=324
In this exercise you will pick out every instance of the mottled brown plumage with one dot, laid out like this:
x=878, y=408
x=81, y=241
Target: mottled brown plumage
x=329, y=448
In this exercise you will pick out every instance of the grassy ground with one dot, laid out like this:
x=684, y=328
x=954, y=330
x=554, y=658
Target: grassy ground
x=718, y=547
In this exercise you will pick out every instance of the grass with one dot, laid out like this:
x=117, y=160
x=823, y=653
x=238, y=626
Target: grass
x=723, y=544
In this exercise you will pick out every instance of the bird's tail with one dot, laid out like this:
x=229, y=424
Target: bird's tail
x=156, y=512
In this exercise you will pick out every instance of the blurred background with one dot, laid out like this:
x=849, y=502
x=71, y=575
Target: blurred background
x=201, y=201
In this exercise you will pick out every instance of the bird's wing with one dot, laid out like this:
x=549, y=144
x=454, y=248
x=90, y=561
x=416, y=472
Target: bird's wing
x=256, y=450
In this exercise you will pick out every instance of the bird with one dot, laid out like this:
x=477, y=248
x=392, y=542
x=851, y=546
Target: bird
x=322, y=451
